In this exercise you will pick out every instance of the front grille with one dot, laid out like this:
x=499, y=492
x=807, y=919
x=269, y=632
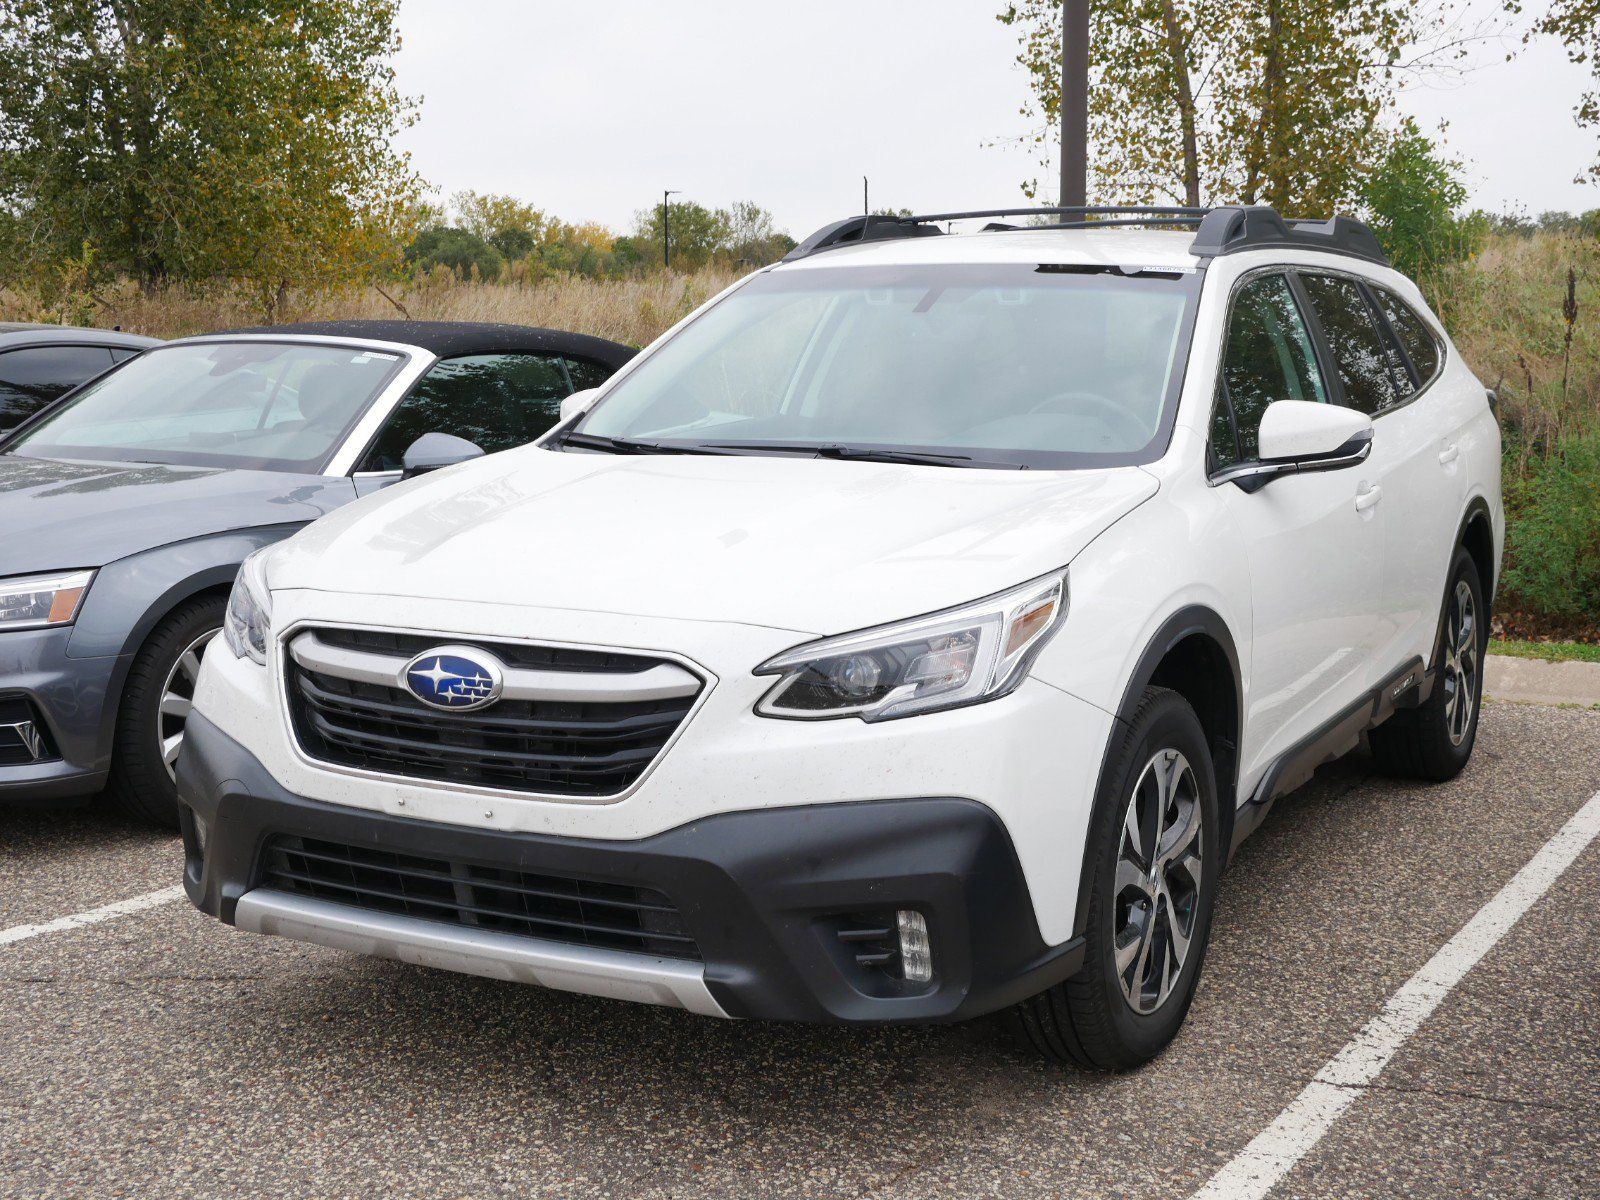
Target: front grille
x=578, y=748
x=580, y=912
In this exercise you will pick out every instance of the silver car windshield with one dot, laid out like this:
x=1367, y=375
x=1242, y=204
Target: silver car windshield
x=1046, y=366
x=271, y=406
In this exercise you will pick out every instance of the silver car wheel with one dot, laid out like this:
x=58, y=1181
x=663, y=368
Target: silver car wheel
x=1460, y=675
x=177, y=698
x=1160, y=866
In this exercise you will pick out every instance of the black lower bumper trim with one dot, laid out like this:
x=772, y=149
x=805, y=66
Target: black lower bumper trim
x=765, y=894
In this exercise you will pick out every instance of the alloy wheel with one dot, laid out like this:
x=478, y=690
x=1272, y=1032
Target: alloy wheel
x=1460, y=663
x=1160, y=866
x=177, y=698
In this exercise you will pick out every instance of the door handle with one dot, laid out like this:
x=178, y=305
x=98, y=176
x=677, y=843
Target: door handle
x=1367, y=495
x=1449, y=454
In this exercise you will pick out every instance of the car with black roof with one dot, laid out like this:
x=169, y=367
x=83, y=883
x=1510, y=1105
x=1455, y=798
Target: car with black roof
x=129, y=506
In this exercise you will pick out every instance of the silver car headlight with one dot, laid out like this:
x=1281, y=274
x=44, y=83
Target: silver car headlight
x=249, y=618
x=943, y=660
x=34, y=601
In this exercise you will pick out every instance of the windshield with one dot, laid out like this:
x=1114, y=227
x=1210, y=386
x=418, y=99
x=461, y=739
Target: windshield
x=1017, y=365
x=270, y=406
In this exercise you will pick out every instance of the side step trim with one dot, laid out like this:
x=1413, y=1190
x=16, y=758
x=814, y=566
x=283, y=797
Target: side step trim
x=1406, y=687
x=615, y=974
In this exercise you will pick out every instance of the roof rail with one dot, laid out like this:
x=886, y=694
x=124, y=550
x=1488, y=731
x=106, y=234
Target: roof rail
x=1257, y=227
x=1218, y=231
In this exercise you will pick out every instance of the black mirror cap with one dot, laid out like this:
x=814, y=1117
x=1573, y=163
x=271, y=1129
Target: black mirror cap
x=432, y=451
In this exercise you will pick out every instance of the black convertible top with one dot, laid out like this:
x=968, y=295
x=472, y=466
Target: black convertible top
x=453, y=339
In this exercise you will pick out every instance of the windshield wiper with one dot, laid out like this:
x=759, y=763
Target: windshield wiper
x=613, y=445
x=865, y=454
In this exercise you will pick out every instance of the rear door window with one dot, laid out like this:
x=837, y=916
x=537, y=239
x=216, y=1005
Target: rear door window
x=1369, y=367
x=35, y=375
x=496, y=401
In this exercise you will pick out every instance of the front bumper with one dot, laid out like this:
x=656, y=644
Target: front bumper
x=66, y=700
x=759, y=891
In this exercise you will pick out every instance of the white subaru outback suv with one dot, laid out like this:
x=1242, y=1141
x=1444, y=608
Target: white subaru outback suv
x=911, y=633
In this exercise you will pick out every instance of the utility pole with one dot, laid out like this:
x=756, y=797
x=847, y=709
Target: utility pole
x=1074, y=103
x=666, y=228
x=866, y=205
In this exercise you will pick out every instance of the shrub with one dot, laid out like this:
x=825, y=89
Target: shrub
x=465, y=253
x=1552, y=562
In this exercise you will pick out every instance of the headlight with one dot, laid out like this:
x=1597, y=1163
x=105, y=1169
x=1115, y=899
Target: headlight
x=37, y=600
x=943, y=660
x=249, y=611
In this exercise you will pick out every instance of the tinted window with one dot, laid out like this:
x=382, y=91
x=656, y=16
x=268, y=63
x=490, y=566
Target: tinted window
x=271, y=406
x=496, y=401
x=586, y=374
x=1268, y=357
x=1420, y=344
x=31, y=378
x=1370, y=369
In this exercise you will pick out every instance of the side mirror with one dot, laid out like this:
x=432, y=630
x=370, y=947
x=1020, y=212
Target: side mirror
x=578, y=402
x=1298, y=436
x=432, y=451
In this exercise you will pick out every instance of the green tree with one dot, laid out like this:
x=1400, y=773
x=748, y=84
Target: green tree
x=697, y=232
x=511, y=226
x=190, y=139
x=1271, y=101
x=1412, y=199
x=463, y=252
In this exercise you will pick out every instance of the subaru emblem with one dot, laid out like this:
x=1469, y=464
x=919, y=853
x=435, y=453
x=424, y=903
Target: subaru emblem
x=455, y=678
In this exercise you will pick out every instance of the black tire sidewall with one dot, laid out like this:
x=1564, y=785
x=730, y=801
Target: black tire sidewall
x=140, y=785
x=1164, y=721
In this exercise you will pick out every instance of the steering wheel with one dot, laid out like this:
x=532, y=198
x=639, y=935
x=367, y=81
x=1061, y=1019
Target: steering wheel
x=1092, y=404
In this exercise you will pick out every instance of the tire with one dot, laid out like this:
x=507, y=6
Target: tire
x=142, y=784
x=1101, y=1018
x=1434, y=742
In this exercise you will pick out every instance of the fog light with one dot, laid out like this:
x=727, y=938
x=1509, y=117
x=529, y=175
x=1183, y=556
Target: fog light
x=916, y=952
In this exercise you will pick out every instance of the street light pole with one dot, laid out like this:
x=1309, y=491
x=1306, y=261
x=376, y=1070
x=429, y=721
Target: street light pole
x=1074, y=103
x=666, y=228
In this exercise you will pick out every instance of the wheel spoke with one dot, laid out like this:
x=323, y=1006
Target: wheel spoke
x=1183, y=831
x=189, y=664
x=1180, y=936
x=1130, y=830
x=1127, y=949
x=174, y=705
x=170, y=747
x=1131, y=875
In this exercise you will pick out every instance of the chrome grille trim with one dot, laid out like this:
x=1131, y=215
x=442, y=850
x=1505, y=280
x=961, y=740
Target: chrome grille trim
x=664, y=681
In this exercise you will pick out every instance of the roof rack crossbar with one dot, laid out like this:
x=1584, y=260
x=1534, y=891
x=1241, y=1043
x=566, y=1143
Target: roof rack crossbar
x=1218, y=231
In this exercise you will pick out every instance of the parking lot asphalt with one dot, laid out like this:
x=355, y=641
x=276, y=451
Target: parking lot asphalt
x=163, y=1054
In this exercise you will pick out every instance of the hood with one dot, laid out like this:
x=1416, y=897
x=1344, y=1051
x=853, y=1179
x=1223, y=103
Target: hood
x=815, y=546
x=56, y=515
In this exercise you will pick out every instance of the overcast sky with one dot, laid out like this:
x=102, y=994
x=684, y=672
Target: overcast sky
x=590, y=108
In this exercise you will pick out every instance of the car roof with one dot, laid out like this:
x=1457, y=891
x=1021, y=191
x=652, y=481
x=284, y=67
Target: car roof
x=18, y=333
x=1150, y=249
x=1113, y=247
x=456, y=339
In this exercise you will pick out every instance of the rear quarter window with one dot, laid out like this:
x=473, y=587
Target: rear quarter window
x=1413, y=333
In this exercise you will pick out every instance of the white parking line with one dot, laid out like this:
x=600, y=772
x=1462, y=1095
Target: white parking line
x=109, y=912
x=1344, y=1079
